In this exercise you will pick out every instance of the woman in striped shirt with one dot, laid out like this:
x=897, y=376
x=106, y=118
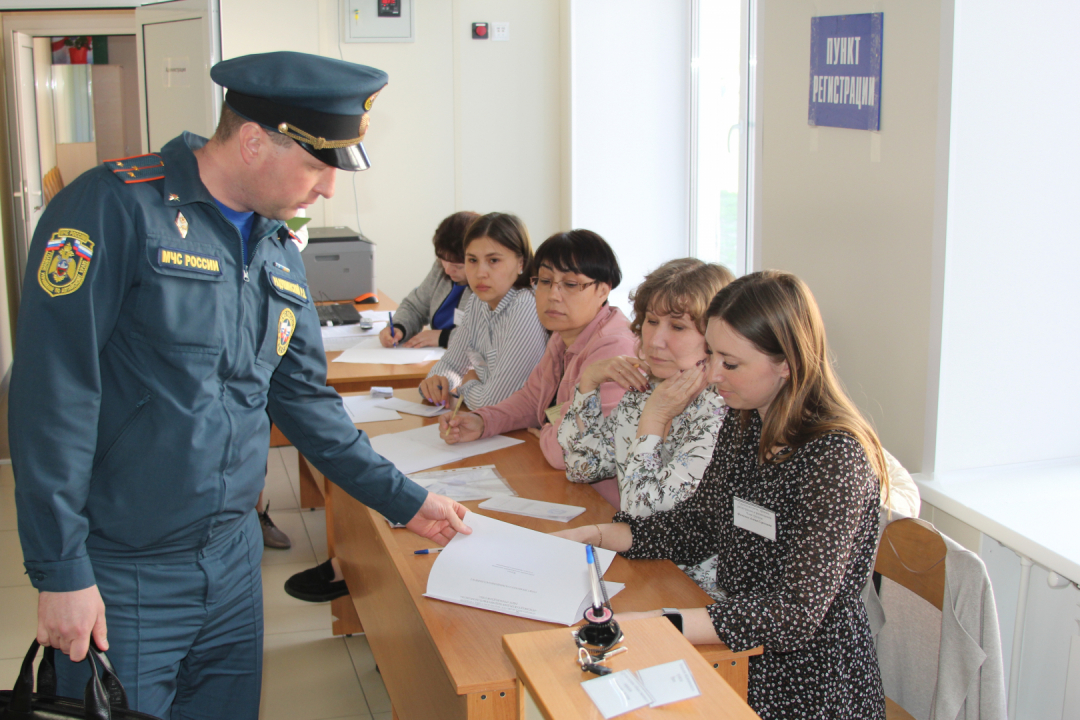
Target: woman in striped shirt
x=499, y=339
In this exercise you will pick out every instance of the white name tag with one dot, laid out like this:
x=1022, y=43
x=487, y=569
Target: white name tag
x=756, y=519
x=459, y=315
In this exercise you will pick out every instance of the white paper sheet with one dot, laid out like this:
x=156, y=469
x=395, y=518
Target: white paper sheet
x=364, y=408
x=514, y=571
x=533, y=508
x=343, y=337
x=669, y=682
x=617, y=693
x=462, y=484
x=370, y=350
x=422, y=448
x=413, y=408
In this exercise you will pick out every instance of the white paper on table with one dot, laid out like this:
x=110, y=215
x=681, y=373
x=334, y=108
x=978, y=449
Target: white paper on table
x=668, y=683
x=514, y=571
x=364, y=408
x=616, y=693
x=343, y=337
x=376, y=316
x=462, y=484
x=413, y=408
x=422, y=448
x=533, y=508
x=370, y=350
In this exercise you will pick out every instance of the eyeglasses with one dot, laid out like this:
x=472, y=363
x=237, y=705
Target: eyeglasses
x=545, y=285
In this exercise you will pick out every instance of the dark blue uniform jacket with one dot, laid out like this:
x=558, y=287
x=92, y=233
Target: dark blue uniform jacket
x=146, y=359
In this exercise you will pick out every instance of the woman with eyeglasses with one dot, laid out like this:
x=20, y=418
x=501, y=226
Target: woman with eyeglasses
x=436, y=300
x=499, y=339
x=789, y=502
x=659, y=439
x=573, y=274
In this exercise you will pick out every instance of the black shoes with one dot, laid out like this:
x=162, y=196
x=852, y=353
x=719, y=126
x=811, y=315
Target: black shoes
x=316, y=584
x=272, y=535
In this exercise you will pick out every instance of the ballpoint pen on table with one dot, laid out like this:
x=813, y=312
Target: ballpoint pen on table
x=599, y=612
x=427, y=551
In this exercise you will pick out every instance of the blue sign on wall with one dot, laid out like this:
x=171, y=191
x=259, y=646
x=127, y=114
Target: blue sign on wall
x=845, y=71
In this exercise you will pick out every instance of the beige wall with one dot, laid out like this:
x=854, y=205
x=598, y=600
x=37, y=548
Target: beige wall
x=855, y=214
x=463, y=125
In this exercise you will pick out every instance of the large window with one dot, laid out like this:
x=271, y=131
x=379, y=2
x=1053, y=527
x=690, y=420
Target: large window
x=721, y=147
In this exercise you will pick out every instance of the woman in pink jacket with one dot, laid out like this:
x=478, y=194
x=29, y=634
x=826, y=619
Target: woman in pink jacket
x=573, y=272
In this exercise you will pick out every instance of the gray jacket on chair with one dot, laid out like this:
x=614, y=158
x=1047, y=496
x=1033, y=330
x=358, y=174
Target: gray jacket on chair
x=420, y=305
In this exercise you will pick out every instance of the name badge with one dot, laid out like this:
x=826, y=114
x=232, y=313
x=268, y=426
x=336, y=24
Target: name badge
x=758, y=520
x=184, y=260
x=459, y=315
x=554, y=414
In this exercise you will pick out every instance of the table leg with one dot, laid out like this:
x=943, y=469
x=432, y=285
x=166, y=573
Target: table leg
x=311, y=491
x=342, y=610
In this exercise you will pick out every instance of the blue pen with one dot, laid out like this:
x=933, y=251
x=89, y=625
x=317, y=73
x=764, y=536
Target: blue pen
x=427, y=552
x=392, y=336
x=594, y=584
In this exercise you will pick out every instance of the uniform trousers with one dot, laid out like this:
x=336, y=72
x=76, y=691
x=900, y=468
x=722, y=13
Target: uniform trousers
x=186, y=637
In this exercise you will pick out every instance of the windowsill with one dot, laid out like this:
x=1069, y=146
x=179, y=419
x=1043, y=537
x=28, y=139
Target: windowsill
x=1032, y=508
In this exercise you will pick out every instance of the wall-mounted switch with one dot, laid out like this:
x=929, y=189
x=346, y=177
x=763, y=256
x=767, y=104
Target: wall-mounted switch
x=500, y=31
x=480, y=31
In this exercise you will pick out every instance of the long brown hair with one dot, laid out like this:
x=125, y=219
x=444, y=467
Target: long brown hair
x=777, y=313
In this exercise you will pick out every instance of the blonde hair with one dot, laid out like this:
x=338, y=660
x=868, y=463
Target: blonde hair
x=777, y=313
x=679, y=287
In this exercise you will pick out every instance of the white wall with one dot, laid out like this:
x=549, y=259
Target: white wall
x=630, y=119
x=855, y=213
x=1010, y=337
x=463, y=125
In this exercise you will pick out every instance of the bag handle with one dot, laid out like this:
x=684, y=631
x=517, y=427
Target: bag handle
x=104, y=692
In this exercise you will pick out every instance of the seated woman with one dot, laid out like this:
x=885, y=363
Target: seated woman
x=659, y=439
x=574, y=273
x=790, y=503
x=435, y=301
x=499, y=339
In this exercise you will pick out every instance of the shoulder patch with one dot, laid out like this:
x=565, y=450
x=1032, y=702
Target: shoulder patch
x=67, y=259
x=141, y=168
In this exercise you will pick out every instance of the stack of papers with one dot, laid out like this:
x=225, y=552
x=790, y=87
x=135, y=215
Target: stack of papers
x=370, y=350
x=462, y=484
x=364, y=408
x=422, y=448
x=515, y=571
x=343, y=337
x=533, y=508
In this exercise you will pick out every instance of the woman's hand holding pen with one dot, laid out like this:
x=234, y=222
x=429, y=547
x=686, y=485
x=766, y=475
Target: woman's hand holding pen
x=436, y=390
x=466, y=427
x=390, y=335
x=629, y=372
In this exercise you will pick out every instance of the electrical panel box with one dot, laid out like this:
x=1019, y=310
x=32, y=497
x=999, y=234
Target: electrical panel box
x=378, y=21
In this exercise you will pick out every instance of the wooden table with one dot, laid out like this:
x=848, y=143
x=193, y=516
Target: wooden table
x=440, y=660
x=355, y=377
x=545, y=665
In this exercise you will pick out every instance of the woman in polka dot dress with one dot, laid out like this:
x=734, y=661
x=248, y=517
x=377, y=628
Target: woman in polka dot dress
x=790, y=503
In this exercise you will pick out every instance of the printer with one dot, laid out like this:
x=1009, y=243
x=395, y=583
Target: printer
x=340, y=263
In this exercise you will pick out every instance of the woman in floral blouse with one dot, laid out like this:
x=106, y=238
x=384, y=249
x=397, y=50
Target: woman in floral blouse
x=660, y=437
x=790, y=504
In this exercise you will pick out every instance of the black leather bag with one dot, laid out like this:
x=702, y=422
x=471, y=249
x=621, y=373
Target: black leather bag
x=104, y=698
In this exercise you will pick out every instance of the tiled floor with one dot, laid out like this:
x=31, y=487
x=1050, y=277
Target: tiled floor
x=308, y=674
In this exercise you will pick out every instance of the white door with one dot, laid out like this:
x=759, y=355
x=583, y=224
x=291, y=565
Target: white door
x=29, y=201
x=178, y=41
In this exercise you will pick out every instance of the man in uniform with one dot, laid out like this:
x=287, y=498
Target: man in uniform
x=165, y=311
